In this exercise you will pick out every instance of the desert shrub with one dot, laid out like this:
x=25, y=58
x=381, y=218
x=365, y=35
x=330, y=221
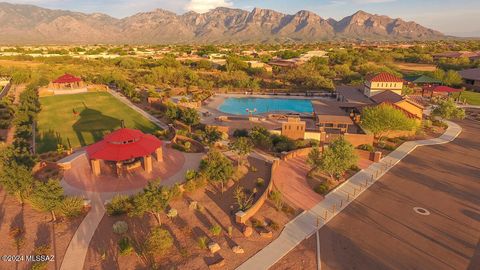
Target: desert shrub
x=257, y=223
x=18, y=236
x=120, y=227
x=194, y=184
x=120, y=204
x=273, y=225
x=427, y=123
x=125, y=246
x=172, y=213
x=438, y=123
x=389, y=147
x=158, y=241
x=190, y=174
x=41, y=250
x=187, y=145
x=276, y=197
x=216, y=230
x=202, y=242
x=260, y=182
x=366, y=147
x=322, y=188
x=71, y=207
x=240, y=133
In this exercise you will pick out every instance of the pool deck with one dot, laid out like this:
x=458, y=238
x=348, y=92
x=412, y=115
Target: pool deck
x=213, y=103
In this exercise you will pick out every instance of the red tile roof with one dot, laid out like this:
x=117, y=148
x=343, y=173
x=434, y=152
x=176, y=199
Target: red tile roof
x=67, y=78
x=384, y=77
x=124, y=144
x=446, y=89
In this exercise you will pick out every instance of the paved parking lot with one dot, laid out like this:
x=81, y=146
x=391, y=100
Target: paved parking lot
x=380, y=230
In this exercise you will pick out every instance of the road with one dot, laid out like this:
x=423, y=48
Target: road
x=380, y=229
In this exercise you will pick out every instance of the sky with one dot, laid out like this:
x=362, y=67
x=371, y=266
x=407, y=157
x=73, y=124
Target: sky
x=454, y=17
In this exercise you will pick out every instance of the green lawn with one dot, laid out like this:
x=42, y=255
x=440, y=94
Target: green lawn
x=84, y=119
x=473, y=98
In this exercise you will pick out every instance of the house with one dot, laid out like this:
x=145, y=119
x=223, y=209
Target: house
x=471, y=78
x=461, y=54
x=258, y=64
x=411, y=108
x=284, y=63
x=382, y=82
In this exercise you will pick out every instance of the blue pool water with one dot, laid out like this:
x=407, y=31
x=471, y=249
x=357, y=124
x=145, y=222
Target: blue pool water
x=239, y=106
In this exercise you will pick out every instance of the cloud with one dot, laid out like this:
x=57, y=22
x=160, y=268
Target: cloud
x=202, y=6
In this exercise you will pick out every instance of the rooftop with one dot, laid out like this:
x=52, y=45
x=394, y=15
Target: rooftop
x=383, y=77
x=387, y=96
x=124, y=144
x=353, y=95
x=67, y=78
x=422, y=79
x=471, y=74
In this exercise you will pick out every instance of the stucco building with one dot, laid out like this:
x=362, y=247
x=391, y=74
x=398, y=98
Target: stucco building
x=382, y=82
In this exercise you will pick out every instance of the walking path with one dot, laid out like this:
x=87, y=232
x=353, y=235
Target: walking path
x=308, y=222
x=77, y=249
x=137, y=109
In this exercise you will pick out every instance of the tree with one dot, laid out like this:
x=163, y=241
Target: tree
x=382, y=119
x=315, y=158
x=452, y=78
x=47, y=196
x=190, y=116
x=212, y=135
x=158, y=241
x=338, y=157
x=16, y=180
x=217, y=168
x=154, y=199
x=447, y=109
x=242, y=146
x=172, y=112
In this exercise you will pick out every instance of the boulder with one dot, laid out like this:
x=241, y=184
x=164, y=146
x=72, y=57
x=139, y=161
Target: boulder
x=267, y=234
x=238, y=250
x=213, y=247
x=247, y=231
x=218, y=265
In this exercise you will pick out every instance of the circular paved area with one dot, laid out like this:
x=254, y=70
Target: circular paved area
x=80, y=176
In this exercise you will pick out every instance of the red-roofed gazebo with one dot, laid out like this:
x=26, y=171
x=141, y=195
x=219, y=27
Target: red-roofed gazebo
x=440, y=90
x=127, y=148
x=67, y=81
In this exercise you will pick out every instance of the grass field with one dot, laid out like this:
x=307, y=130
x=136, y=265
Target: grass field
x=83, y=119
x=473, y=98
x=415, y=67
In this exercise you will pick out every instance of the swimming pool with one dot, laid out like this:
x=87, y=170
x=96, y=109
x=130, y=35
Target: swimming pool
x=246, y=106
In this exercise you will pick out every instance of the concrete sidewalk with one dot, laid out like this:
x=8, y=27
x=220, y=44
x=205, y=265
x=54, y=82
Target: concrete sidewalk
x=139, y=110
x=77, y=249
x=307, y=223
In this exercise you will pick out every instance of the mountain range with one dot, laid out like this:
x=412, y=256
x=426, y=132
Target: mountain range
x=28, y=24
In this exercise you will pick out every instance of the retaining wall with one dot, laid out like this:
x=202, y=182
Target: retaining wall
x=243, y=216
